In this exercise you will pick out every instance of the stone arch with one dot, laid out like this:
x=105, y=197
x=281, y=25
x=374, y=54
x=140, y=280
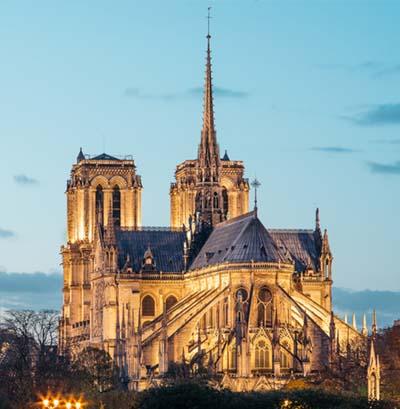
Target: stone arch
x=227, y=183
x=148, y=305
x=119, y=181
x=262, y=354
x=100, y=180
x=170, y=301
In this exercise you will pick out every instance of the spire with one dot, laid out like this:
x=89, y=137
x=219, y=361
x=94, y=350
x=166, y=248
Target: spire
x=364, y=330
x=208, y=150
x=80, y=156
x=354, y=323
x=374, y=326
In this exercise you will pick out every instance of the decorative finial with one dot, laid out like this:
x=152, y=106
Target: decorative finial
x=255, y=184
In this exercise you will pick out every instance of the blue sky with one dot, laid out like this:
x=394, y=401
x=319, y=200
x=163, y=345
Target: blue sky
x=308, y=95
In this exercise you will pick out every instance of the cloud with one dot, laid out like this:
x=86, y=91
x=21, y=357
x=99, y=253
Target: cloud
x=389, y=169
x=386, y=304
x=378, y=115
x=30, y=291
x=333, y=149
x=375, y=69
x=219, y=92
x=25, y=180
x=6, y=234
x=388, y=71
x=387, y=142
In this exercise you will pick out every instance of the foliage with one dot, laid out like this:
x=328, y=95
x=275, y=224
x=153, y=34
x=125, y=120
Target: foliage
x=388, y=348
x=30, y=364
x=190, y=395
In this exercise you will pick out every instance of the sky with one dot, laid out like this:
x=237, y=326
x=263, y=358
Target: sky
x=307, y=94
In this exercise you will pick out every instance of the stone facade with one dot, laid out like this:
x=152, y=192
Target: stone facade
x=215, y=290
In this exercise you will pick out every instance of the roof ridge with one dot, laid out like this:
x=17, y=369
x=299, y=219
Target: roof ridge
x=291, y=230
x=236, y=219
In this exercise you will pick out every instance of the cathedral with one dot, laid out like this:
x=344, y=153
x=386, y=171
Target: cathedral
x=217, y=290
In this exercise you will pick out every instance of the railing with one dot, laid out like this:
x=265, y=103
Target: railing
x=120, y=157
x=152, y=228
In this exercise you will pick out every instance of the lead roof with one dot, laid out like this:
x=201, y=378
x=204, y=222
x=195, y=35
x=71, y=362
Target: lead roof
x=242, y=239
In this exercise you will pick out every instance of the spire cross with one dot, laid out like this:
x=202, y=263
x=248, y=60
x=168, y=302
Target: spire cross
x=255, y=184
x=208, y=22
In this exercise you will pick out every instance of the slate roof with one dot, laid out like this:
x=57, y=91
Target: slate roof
x=226, y=156
x=166, y=247
x=244, y=239
x=104, y=156
x=302, y=245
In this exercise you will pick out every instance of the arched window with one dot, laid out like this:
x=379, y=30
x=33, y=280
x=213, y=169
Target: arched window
x=116, y=203
x=215, y=201
x=233, y=358
x=170, y=302
x=261, y=315
x=264, y=308
x=262, y=355
x=225, y=202
x=226, y=312
x=148, y=306
x=285, y=359
x=99, y=204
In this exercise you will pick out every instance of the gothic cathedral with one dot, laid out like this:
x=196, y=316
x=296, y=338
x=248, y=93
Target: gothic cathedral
x=215, y=290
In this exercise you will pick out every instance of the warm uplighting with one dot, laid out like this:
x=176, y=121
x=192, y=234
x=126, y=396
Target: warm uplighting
x=60, y=402
x=286, y=403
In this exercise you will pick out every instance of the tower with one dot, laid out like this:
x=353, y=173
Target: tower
x=101, y=189
x=211, y=187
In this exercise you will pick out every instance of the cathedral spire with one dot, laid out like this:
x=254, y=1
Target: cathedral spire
x=208, y=150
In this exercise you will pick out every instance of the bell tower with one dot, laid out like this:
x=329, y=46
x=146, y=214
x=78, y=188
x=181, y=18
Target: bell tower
x=210, y=187
x=100, y=188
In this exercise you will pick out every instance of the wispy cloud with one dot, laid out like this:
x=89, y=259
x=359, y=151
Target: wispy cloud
x=387, y=141
x=30, y=291
x=333, y=149
x=377, y=115
x=389, y=169
x=6, y=234
x=25, y=180
x=374, y=69
x=219, y=92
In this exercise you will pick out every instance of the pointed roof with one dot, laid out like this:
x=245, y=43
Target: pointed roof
x=80, y=156
x=240, y=239
x=208, y=149
x=226, y=157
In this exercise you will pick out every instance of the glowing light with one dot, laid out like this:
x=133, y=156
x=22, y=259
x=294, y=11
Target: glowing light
x=77, y=405
x=56, y=402
x=46, y=403
x=68, y=405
